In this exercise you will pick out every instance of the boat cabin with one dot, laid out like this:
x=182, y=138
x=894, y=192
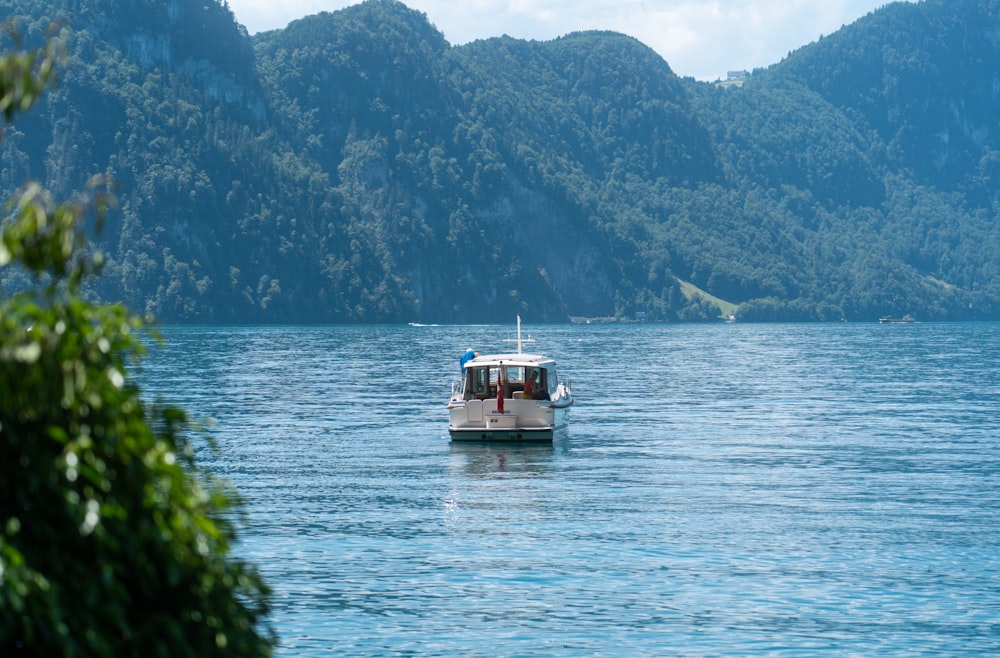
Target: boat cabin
x=523, y=376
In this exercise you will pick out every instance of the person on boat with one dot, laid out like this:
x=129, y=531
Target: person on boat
x=469, y=355
x=529, y=386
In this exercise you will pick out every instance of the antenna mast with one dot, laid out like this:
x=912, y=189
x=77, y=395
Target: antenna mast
x=519, y=340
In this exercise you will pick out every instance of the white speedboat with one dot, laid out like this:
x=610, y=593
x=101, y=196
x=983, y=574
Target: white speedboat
x=509, y=397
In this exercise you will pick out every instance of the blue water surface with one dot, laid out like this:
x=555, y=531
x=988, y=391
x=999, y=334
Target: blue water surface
x=723, y=490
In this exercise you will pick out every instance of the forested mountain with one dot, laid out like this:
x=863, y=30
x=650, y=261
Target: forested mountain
x=355, y=167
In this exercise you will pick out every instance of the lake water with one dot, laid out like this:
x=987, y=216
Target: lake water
x=723, y=490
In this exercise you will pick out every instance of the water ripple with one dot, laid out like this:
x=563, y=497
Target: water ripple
x=738, y=490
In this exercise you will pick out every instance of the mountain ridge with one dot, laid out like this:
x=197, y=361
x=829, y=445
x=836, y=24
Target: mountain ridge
x=355, y=167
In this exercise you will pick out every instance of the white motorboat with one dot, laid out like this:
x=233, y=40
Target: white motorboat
x=509, y=397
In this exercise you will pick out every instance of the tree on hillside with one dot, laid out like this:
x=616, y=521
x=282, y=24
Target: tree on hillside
x=112, y=541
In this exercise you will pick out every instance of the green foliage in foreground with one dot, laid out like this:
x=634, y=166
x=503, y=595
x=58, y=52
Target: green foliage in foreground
x=112, y=541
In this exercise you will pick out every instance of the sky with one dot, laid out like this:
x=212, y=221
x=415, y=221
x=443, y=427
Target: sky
x=703, y=39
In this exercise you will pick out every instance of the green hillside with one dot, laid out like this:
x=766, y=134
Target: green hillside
x=355, y=167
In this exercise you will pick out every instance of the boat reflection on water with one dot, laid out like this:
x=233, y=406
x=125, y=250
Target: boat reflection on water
x=500, y=459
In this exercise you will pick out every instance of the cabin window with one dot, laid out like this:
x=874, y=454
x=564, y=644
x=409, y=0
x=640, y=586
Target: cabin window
x=481, y=382
x=540, y=386
x=514, y=375
x=480, y=378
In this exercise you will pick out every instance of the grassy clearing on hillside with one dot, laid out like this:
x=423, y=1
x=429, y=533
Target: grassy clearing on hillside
x=691, y=291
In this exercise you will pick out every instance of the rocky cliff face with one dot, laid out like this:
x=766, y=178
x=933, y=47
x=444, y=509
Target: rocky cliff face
x=198, y=39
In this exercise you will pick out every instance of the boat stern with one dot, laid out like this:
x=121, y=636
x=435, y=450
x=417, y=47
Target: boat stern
x=521, y=420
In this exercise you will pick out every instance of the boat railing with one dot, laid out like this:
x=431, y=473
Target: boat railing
x=563, y=391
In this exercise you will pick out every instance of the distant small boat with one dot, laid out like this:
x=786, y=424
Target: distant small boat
x=888, y=319
x=509, y=397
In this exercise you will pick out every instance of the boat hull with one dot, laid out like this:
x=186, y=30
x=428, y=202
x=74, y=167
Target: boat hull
x=533, y=435
x=523, y=420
